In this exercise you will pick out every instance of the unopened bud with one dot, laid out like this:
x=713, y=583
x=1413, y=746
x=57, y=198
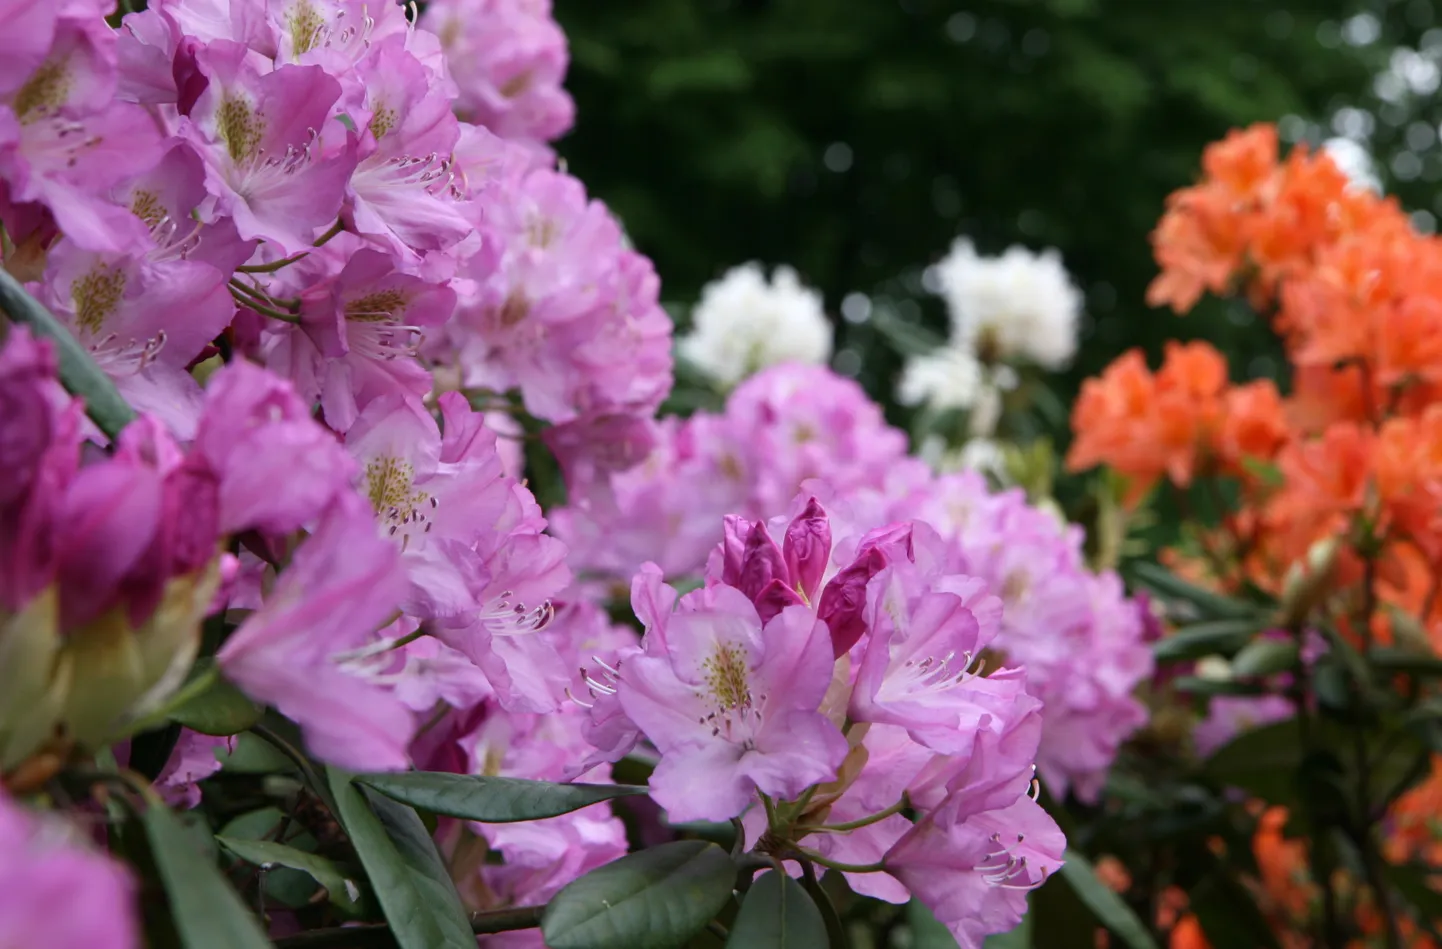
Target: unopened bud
x=1308, y=582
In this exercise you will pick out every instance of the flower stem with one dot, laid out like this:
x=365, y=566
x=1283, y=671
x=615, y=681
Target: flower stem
x=879, y=816
x=250, y=302
x=274, y=265
x=815, y=857
x=335, y=229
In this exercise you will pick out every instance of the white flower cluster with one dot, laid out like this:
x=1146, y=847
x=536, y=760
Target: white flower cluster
x=745, y=323
x=1018, y=308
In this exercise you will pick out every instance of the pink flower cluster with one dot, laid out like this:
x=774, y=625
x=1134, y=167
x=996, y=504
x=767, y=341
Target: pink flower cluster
x=292, y=176
x=827, y=686
x=780, y=428
x=1082, y=641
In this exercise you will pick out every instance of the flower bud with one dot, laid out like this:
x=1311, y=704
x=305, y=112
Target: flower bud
x=1308, y=582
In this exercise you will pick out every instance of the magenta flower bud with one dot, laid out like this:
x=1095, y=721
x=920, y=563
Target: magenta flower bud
x=807, y=548
x=844, y=600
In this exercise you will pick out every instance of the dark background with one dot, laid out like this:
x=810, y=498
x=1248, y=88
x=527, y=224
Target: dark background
x=855, y=139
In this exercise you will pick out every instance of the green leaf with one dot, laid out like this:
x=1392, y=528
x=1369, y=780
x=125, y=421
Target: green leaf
x=1219, y=637
x=1195, y=685
x=265, y=853
x=1417, y=884
x=777, y=914
x=1265, y=657
x=1263, y=761
x=215, y=707
x=208, y=913
x=1404, y=660
x=1212, y=606
x=491, y=800
x=926, y=932
x=251, y=754
x=1228, y=914
x=654, y=899
x=78, y=372
x=1108, y=907
x=410, y=881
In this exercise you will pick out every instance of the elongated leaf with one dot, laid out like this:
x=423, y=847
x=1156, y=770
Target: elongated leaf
x=219, y=708
x=1212, y=606
x=1405, y=660
x=1109, y=909
x=78, y=372
x=410, y=881
x=654, y=899
x=1265, y=657
x=777, y=914
x=265, y=853
x=491, y=800
x=208, y=913
x=1263, y=761
x=1196, y=685
x=1219, y=637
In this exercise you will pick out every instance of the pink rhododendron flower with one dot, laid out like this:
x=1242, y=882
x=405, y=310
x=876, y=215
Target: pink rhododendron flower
x=732, y=706
x=343, y=582
x=566, y=314
x=1081, y=640
x=256, y=435
x=973, y=874
x=781, y=428
x=508, y=58
x=192, y=761
x=361, y=322
x=276, y=160
x=63, y=142
x=55, y=892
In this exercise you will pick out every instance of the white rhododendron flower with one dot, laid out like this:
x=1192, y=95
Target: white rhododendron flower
x=945, y=378
x=1019, y=306
x=745, y=323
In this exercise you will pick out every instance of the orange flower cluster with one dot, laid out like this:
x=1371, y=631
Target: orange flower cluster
x=1355, y=451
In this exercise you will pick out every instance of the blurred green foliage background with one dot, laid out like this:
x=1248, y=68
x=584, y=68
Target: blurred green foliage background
x=855, y=139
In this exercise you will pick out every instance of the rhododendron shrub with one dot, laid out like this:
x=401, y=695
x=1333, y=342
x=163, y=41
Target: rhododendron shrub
x=1304, y=581
x=303, y=322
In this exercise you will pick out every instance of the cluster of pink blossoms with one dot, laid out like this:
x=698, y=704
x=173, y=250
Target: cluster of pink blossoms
x=319, y=247
x=1081, y=640
x=827, y=685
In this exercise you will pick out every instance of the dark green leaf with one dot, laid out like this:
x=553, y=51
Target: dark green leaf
x=208, y=913
x=1220, y=637
x=1196, y=685
x=1228, y=914
x=1108, y=907
x=410, y=881
x=1263, y=761
x=221, y=709
x=265, y=853
x=1265, y=657
x=1405, y=660
x=78, y=371
x=1418, y=887
x=491, y=800
x=777, y=914
x=654, y=899
x=1211, y=606
x=250, y=754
